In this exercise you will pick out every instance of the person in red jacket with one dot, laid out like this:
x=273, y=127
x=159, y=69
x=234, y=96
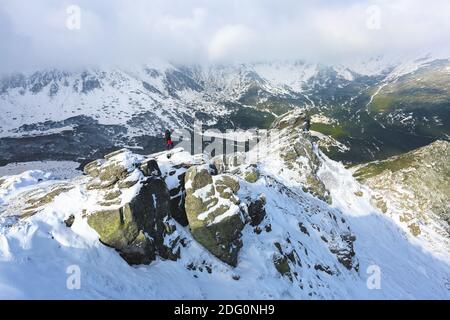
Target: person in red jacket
x=168, y=139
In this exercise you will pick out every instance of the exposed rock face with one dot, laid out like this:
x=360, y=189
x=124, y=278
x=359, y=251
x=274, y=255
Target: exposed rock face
x=293, y=119
x=93, y=169
x=251, y=174
x=69, y=221
x=178, y=195
x=135, y=202
x=38, y=198
x=281, y=264
x=118, y=167
x=285, y=259
x=132, y=206
x=151, y=168
x=300, y=154
x=416, y=184
x=257, y=211
x=212, y=209
x=135, y=229
x=344, y=251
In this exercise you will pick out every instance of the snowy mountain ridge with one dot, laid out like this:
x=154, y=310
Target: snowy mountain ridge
x=372, y=105
x=170, y=92
x=293, y=225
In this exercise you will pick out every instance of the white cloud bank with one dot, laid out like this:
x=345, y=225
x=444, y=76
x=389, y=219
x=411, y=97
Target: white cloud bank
x=34, y=34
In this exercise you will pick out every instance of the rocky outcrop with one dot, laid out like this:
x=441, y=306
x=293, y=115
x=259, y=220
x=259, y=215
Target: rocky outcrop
x=133, y=205
x=295, y=119
x=38, y=198
x=213, y=212
x=151, y=168
x=251, y=174
x=344, y=251
x=257, y=211
x=136, y=228
x=294, y=146
x=135, y=201
x=414, y=184
x=178, y=194
x=69, y=221
x=93, y=168
x=117, y=167
x=285, y=260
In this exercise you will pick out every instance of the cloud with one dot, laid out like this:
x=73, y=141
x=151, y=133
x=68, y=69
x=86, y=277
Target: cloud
x=231, y=41
x=34, y=34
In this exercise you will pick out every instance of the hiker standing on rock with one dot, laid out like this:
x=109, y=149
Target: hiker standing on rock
x=168, y=139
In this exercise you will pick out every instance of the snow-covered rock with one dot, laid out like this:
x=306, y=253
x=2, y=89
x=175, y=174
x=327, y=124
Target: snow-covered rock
x=213, y=212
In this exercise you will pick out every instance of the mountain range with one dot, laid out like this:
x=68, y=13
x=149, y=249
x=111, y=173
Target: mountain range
x=363, y=111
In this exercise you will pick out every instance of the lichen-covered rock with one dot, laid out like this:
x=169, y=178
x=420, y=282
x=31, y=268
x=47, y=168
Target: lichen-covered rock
x=198, y=177
x=251, y=174
x=130, y=180
x=135, y=228
x=283, y=257
x=133, y=207
x=316, y=187
x=110, y=173
x=93, y=168
x=415, y=229
x=117, y=167
x=227, y=186
x=96, y=184
x=213, y=212
x=112, y=194
x=302, y=158
x=115, y=153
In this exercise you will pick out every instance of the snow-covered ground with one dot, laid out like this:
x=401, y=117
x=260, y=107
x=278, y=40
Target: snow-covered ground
x=58, y=169
x=39, y=255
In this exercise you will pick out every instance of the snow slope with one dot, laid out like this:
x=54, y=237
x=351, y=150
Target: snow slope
x=37, y=252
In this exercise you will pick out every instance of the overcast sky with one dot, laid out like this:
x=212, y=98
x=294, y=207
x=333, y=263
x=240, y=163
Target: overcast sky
x=35, y=34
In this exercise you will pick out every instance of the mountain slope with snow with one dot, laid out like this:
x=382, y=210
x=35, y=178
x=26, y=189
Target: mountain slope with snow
x=418, y=192
x=317, y=235
x=94, y=111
